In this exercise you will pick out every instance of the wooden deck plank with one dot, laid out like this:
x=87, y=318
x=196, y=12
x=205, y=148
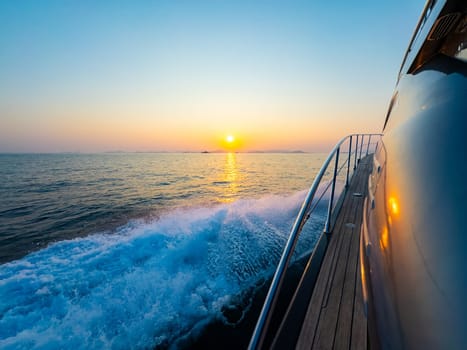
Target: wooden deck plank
x=323, y=285
x=359, y=338
x=359, y=320
x=324, y=338
x=321, y=291
x=346, y=311
x=335, y=316
x=347, y=307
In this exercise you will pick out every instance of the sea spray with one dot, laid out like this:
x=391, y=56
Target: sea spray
x=146, y=284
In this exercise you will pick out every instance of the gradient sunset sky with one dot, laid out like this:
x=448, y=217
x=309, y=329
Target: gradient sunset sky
x=92, y=76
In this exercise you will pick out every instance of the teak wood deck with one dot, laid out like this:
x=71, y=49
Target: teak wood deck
x=335, y=318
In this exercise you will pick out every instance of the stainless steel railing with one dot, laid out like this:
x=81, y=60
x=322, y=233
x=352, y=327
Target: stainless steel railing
x=353, y=150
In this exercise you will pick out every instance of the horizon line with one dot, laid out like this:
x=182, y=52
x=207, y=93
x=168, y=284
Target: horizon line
x=160, y=151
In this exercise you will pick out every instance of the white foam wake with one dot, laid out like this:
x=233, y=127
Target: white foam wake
x=146, y=284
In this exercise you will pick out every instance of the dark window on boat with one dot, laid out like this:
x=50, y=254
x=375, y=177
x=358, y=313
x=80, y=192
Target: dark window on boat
x=428, y=10
x=425, y=16
x=455, y=44
x=448, y=36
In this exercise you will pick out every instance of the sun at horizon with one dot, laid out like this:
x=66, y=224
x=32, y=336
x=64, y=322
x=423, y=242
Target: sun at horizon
x=230, y=143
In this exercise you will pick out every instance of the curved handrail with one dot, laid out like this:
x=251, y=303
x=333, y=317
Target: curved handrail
x=263, y=321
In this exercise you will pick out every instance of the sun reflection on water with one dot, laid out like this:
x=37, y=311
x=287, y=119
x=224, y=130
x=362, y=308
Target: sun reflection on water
x=230, y=177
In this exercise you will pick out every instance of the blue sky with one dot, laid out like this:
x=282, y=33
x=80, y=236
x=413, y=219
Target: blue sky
x=179, y=75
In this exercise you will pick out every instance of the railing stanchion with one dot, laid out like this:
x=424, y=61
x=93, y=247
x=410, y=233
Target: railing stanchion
x=368, y=145
x=327, y=229
x=356, y=151
x=348, y=163
x=361, y=148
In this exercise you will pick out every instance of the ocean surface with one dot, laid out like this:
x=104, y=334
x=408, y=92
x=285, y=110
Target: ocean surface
x=142, y=250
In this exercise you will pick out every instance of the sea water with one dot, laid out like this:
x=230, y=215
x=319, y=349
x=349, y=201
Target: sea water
x=140, y=250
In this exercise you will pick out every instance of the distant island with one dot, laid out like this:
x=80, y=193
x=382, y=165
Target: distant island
x=213, y=151
x=254, y=151
x=278, y=151
x=163, y=151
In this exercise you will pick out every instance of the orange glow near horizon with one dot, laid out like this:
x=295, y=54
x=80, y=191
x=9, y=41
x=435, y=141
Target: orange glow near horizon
x=130, y=128
x=95, y=131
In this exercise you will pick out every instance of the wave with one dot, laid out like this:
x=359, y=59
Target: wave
x=146, y=284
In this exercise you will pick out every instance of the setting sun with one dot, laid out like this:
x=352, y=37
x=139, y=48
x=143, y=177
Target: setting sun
x=230, y=139
x=231, y=143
